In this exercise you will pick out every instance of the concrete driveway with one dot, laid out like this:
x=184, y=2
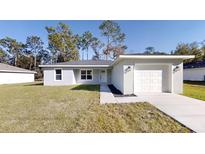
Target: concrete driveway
x=188, y=111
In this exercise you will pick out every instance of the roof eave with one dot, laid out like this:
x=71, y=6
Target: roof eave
x=74, y=66
x=12, y=71
x=157, y=56
x=183, y=57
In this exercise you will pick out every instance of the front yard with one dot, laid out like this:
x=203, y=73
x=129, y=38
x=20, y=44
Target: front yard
x=195, y=89
x=37, y=108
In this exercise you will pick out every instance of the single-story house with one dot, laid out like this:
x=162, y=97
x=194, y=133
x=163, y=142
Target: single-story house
x=11, y=74
x=194, y=71
x=131, y=74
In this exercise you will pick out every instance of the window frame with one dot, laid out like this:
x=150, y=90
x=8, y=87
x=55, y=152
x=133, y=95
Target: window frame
x=86, y=74
x=56, y=74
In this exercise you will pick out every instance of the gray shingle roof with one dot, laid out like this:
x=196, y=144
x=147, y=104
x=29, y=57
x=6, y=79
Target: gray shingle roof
x=9, y=68
x=86, y=62
x=198, y=64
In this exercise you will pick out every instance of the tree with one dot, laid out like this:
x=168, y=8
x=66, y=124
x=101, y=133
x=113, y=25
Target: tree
x=43, y=57
x=62, y=43
x=203, y=50
x=115, y=39
x=86, y=41
x=189, y=49
x=152, y=51
x=12, y=48
x=182, y=49
x=2, y=56
x=149, y=50
x=195, y=50
x=96, y=46
x=115, y=51
x=26, y=62
x=34, y=46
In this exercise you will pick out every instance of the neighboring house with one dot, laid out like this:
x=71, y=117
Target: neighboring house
x=11, y=74
x=194, y=71
x=131, y=74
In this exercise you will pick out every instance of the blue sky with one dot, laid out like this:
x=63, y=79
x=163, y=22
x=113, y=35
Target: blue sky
x=163, y=35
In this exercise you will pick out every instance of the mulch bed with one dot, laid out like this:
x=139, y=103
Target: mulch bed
x=118, y=93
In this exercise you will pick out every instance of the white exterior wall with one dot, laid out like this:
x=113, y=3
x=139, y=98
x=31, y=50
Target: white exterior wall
x=128, y=79
x=67, y=77
x=95, y=79
x=72, y=76
x=96, y=76
x=117, y=76
x=194, y=74
x=120, y=78
x=178, y=79
x=9, y=78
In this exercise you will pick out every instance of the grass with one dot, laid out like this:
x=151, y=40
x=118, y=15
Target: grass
x=195, y=89
x=37, y=108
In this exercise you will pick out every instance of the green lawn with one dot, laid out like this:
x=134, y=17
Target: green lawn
x=37, y=108
x=195, y=89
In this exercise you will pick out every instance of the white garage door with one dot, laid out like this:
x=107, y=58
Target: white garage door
x=148, y=81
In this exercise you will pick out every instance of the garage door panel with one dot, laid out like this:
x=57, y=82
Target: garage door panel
x=148, y=81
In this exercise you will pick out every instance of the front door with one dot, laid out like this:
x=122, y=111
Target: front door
x=103, y=76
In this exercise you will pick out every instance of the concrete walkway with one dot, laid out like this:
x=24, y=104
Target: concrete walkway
x=105, y=95
x=188, y=111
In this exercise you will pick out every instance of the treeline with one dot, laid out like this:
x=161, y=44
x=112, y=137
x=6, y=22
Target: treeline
x=63, y=45
x=195, y=48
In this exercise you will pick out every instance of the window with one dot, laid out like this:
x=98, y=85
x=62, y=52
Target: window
x=58, y=74
x=89, y=74
x=83, y=74
x=86, y=74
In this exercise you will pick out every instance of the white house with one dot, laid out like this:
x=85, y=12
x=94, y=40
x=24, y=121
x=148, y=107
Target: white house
x=10, y=74
x=131, y=74
x=194, y=71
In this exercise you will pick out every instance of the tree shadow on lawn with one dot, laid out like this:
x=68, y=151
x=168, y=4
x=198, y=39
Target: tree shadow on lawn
x=34, y=84
x=200, y=83
x=86, y=87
